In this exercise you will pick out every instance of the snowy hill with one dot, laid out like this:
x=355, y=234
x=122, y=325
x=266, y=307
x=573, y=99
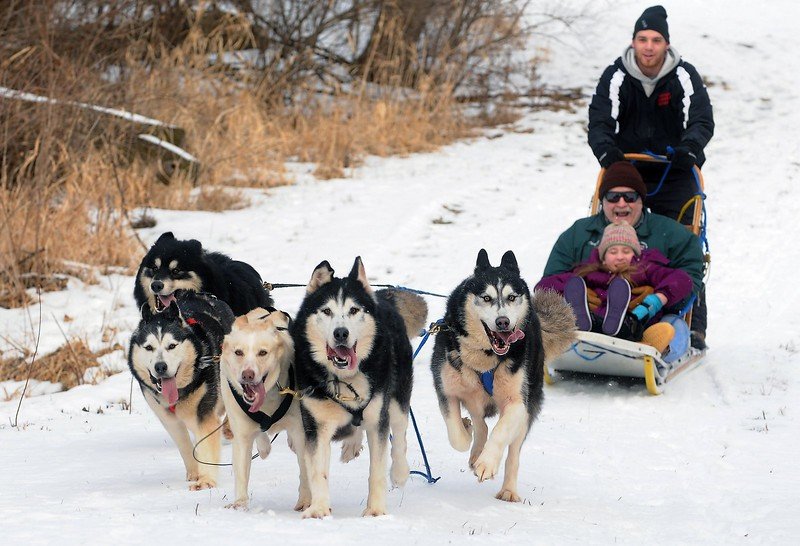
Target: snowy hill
x=712, y=461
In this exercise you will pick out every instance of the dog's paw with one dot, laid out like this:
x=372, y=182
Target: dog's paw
x=473, y=456
x=508, y=496
x=192, y=475
x=317, y=512
x=241, y=504
x=486, y=467
x=202, y=482
x=399, y=473
x=302, y=504
x=351, y=448
x=373, y=512
x=263, y=445
x=460, y=438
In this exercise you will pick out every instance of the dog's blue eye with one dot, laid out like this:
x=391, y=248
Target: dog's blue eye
x=171, y=346
x=262, y=352
x=512, y=297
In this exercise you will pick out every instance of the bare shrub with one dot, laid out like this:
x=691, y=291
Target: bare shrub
x=244, y=86
x=66, y=365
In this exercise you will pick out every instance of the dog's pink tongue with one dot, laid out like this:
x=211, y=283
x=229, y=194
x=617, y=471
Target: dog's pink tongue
x=511, y=337
x=259, y=394
x=348, y=354
x=169, y=388
x=516, y=335
x=166, y=300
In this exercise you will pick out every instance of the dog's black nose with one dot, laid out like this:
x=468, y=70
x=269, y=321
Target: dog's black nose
x=340, y=335
x=248, y=376
x=502, y=323
x=156, y=286
x=160, y=368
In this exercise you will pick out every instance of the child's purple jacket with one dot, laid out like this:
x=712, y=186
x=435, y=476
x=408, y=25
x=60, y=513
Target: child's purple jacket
x=653, y=270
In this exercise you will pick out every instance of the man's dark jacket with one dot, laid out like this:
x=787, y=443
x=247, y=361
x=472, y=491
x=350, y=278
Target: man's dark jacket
x=677, y=113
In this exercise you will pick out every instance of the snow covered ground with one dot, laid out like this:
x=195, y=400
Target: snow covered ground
x=711, y=461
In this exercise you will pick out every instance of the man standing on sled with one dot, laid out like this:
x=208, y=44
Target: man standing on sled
x=650, y=99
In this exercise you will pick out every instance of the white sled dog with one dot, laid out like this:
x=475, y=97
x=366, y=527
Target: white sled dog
x=256, y=365
x=490, y=356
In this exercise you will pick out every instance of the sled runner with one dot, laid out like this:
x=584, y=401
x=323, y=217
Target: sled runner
x=599, y=354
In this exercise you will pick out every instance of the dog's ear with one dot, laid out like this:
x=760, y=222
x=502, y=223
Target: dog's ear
x=322, y=274
x=166, y=236
x=171, y=312
x=359, y=274
x=483, y=261
x=509, y=261
x=288, y=321
x=195, y=245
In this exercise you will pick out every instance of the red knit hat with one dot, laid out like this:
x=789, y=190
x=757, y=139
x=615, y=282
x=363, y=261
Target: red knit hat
x=619, y=234
x=622, y=173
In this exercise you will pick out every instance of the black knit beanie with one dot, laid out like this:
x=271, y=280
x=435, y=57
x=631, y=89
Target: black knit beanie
x=653, y=18
x=622, y=173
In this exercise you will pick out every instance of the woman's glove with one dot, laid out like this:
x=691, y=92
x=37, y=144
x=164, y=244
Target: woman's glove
x=648, y=308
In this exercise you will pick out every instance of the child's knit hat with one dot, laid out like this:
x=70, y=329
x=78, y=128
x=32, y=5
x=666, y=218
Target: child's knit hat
x=619, y=234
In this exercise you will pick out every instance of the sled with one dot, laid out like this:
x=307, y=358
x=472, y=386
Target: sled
x=599, y=354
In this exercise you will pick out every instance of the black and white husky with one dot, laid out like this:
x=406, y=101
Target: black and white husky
x=489, y=357
x=174, y=356
x=172, y=264
x=353, y=361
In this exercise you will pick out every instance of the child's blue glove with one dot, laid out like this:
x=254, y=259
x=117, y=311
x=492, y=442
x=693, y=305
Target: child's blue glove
x=648, y=308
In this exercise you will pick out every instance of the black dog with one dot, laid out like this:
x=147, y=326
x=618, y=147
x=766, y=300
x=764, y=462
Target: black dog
x=172, y=264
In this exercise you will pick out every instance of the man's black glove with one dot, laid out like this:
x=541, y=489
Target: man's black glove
x=682, y=158
x=612, y=155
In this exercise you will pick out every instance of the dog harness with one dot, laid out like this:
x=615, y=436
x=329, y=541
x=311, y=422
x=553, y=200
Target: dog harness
x=336, y=396
x=487, y=379
x=264, y=420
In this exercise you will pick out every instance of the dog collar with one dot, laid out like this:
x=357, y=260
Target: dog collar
x=264, y=420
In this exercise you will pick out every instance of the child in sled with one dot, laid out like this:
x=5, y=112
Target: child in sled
x=621, y=289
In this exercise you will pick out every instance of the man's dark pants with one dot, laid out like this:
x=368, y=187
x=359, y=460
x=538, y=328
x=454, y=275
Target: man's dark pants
x=677, y=189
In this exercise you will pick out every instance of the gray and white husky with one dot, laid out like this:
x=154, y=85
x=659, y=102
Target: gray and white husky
x=489, y=357
x=353, y=361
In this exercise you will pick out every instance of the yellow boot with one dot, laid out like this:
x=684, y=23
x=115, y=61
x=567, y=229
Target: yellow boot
x=659, y=335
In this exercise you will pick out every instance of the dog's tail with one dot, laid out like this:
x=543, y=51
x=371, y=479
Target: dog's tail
x=412, y=308
x=557, y=321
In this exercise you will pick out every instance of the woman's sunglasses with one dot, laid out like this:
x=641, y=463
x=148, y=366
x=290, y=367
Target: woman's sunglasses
x=615, y=196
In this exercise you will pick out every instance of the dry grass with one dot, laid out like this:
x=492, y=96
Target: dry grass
x=67, y=365
x=71, y=179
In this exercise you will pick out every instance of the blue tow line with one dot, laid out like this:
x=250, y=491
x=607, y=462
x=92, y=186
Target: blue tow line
x=427, y=474
x=703, y=234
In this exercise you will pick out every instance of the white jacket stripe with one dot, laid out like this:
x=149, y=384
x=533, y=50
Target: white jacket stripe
x=688, y=91
x=613, y=94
